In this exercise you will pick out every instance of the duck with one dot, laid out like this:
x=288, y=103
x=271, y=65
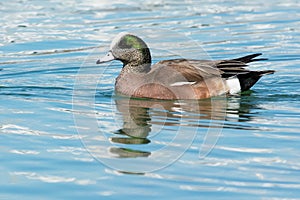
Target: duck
x=178, y=78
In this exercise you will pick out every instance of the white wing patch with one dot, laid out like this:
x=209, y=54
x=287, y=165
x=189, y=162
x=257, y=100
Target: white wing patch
x=182, y=83
x=233, y=85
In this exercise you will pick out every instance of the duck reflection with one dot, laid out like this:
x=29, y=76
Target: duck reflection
x=140, y=115
x=136, y=128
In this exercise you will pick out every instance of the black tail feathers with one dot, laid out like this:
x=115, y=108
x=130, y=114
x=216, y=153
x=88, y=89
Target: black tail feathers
x=247, y=80
x=250, y=58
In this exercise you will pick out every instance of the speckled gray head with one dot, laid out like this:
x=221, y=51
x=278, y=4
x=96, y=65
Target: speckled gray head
x=131, y=50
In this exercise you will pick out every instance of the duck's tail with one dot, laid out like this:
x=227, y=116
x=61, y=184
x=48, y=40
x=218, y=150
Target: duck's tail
x=248, y=79
x=239, y=78
x=250, y=58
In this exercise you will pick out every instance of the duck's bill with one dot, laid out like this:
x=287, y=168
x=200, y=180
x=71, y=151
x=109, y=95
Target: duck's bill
x=108, y=57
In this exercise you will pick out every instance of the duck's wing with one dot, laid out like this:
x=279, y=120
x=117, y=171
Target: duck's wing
x=186, y=79
x=208, y=68
x=189, y=70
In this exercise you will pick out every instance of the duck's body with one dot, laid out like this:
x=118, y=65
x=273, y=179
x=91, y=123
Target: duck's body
x=177, y=78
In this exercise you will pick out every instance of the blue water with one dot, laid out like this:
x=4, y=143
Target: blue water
x=66, y=135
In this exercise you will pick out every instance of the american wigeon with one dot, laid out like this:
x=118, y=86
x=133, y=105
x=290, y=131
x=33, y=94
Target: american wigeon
x=177, y=78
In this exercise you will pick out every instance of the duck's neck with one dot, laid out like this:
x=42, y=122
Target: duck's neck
x=142, y=63
x=136, y=68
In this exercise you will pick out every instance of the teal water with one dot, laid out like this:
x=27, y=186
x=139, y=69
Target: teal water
x=64, y=134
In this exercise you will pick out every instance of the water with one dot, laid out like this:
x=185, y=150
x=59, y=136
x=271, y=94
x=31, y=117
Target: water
x=63, y=140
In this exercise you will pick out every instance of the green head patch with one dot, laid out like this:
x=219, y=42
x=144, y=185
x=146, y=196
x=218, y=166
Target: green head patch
x=131, y=41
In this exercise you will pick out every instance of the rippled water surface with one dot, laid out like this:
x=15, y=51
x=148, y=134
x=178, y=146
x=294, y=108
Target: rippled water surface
x=66, y=135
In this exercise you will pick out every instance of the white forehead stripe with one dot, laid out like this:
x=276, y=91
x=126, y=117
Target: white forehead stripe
x=117, y=39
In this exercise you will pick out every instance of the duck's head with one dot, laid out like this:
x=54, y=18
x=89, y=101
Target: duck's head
x=131, y=50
